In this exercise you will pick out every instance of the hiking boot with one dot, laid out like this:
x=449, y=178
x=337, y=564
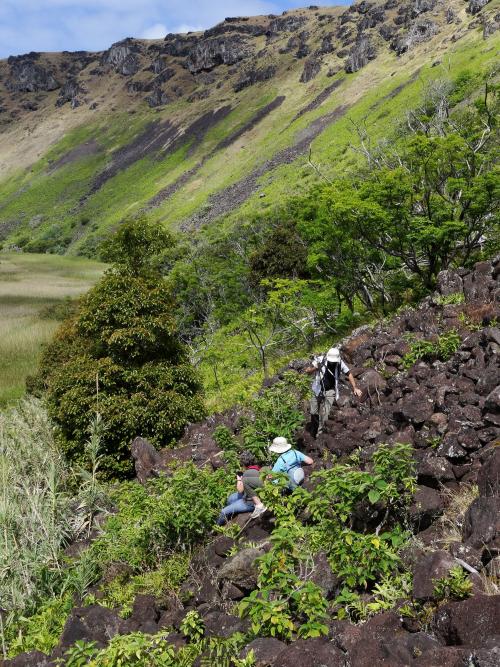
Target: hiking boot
x=260, y=509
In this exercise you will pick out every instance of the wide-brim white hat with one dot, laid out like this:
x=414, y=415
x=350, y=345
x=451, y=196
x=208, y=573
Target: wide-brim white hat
x=333, y=355
x=280, y=445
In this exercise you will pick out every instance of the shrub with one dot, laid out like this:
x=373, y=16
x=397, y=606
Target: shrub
x=456, y=586
x=165, y=514
x=41, y=631
x=444, y=348
x=121, y=356
x=276, y=412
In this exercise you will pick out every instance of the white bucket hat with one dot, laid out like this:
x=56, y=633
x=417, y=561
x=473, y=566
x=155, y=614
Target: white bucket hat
x=280, y=445
x=333, y=355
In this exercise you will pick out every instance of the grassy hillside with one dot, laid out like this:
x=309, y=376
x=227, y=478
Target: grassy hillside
x=70, y=175
x=34, y=295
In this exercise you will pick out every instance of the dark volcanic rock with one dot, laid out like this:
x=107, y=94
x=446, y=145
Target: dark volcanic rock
x=311, y=653
x=311, y=69
x=428, y=568
x=252, y=76
x=157, y=98
x=31, y=659
x=69, y=93
x=265, y=650
x=468, y=622
x=488, y=478
x=92, y=623
x=241, y=569
x=360, y=55
x=482, y=522
x=219, y=624
x=427, y=505
x=148, y=461
x=475, y=6
x=420, y=31
x=286, y=24
x=122, y=56
x=209, y=53
x=28, y=77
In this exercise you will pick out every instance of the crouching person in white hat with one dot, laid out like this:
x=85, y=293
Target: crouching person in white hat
x=325, y=387
x=289, y=461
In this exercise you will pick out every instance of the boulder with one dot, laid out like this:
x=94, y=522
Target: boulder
x=158, y=98
x=488, y=478
x=69, y=93
x=360, y=55
x=148, y=462
x=311, y=653
x=415, y=407
x=475, y=6
x=468, y=622
x=482, y=522
x=241, y=569
x=373, y=382
x=145, y=615
x=266, y=650
x=91, y=624
x=420, y=31
x=311, y=69
x=206, y=54
x=323, y=575
x=122, y=56
x=492, y=402
x=220, y=624
x=254, y=75
x=427, y=505
x=429, y=568
x=393, y=651
x=26, y=76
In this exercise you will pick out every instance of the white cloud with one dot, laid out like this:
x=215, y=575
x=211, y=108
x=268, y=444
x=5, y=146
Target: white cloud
x=185, y=27
x=156, y=31
x=93, y=25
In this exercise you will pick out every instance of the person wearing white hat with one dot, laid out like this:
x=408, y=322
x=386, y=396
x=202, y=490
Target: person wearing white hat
x=325, y=387
x=290, y=461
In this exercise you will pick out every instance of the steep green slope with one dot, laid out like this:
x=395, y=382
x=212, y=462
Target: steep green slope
x=221, y=142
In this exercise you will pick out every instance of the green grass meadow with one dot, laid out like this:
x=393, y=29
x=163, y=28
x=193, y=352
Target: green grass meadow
x=30, y=286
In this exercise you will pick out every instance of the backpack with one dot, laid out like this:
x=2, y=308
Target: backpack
x=295, y=472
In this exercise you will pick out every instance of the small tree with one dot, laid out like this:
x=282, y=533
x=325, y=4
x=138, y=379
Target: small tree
x=120, y=355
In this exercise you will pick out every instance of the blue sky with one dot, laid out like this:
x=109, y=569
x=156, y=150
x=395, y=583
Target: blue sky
x=93, y=25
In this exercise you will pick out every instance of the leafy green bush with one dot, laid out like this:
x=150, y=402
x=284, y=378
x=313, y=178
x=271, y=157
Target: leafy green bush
x=456, y=586
x=444, y=348
x=276, y=412
x=284, y=603
x=163, y=582
x=121, y=356
x=166, y=513
x=140, y=650
x=41, y=631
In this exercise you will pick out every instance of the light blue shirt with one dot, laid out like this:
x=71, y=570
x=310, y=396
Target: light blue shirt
x=288, y=459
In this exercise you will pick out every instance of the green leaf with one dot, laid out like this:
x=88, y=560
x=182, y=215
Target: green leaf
x=374, y=496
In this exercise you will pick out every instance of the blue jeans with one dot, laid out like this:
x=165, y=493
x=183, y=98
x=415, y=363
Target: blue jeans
x=236, y=504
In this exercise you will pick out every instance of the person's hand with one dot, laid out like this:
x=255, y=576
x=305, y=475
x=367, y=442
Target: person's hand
x=358, y=392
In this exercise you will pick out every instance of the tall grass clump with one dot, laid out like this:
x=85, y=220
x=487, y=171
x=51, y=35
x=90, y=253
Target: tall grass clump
x=35, y=509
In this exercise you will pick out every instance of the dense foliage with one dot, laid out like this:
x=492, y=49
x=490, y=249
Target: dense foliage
x=347, y=508
x=120, y=356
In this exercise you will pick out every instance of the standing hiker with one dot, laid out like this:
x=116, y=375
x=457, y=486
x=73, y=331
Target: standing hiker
x=290, y=461
x=245, y=498
x=325, y=387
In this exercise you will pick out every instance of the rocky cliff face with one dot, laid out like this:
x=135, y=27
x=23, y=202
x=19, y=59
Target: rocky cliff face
x=450, y=413
x=355, y=34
